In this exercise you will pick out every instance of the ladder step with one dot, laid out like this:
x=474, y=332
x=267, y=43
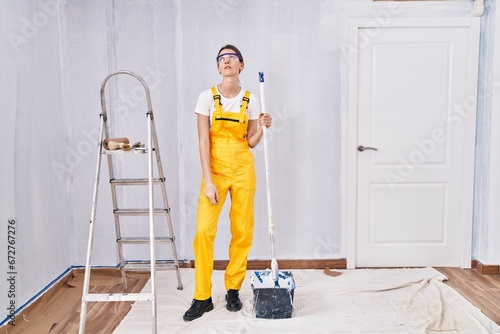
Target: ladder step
x=143, y=240
x=140, y=150
x=146, y=266
x=131, y=182
x=116, y=297
x=139, y=212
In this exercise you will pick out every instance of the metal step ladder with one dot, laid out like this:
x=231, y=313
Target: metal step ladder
x=153, y=154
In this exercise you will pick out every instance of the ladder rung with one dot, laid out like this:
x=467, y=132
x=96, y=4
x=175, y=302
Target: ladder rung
x=116, y=297
x=143, y=240
x=119, y=152
x=131, y=182
x=146, y=266
x=139, y=212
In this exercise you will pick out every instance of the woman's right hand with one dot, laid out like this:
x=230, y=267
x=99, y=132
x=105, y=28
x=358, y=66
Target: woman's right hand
x=211, y=193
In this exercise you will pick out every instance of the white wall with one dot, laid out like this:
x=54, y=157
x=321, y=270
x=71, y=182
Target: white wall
x=51, y=104
x=487, y=182
x=33, y=137
x=176, y=40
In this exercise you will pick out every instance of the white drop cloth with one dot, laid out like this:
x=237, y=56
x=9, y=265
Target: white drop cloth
x=357, y=301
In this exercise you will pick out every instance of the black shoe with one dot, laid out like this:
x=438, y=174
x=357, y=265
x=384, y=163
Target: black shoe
x=233, y=300
x=198, y=307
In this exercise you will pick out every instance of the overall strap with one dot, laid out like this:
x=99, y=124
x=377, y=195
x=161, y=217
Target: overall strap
x=244, y=106
x=217, y=101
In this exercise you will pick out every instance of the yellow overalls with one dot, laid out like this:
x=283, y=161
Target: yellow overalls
x=232, y=169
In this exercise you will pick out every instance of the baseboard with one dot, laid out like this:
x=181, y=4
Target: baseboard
x=322, y=264
x=485, y=269
x=283, y=264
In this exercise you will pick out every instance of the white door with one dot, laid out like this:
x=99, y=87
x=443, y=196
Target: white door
x=414, y=104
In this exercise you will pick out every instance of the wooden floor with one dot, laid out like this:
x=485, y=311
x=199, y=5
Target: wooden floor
x=102, y=317
x=57, y=311
x=481, y=290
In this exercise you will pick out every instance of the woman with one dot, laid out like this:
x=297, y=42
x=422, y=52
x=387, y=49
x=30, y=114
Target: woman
x=229, y=124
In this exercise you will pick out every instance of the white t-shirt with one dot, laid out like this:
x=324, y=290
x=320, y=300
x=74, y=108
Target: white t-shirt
x=206, y=104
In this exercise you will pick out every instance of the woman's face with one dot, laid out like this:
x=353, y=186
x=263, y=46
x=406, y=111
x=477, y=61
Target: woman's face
x=228, y=63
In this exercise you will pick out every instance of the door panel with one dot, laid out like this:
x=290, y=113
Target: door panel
x=413, y=106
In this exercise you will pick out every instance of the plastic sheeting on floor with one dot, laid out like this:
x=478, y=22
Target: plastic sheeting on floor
x=357, y=301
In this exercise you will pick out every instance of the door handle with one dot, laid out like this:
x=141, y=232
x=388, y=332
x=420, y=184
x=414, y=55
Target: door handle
x=361, y=148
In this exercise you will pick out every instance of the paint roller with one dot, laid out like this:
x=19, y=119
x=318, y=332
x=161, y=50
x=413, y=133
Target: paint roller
x=274, y=262
x=273, y=290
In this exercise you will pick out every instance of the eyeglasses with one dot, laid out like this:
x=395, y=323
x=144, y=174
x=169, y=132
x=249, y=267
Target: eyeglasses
x=227, y=57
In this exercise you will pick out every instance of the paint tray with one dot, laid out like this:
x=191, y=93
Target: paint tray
x=270, y=302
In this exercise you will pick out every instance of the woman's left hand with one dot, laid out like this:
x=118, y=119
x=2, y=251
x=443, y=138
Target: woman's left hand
x=265, y=120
